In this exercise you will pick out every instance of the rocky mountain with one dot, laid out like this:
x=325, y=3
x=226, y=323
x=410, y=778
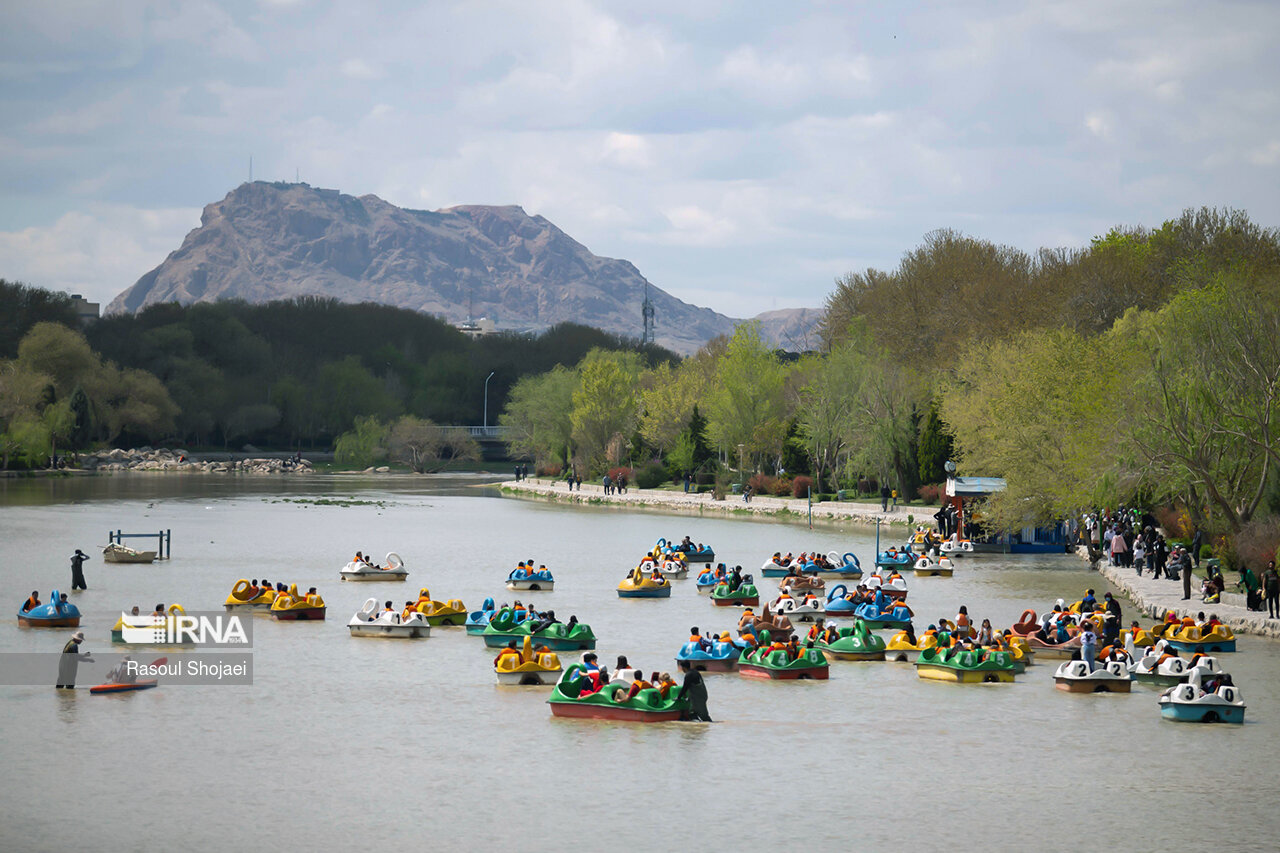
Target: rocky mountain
x=268, y=241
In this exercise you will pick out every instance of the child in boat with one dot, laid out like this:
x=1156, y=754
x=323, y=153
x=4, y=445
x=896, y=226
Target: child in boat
x=665, y=683
x=32, y=602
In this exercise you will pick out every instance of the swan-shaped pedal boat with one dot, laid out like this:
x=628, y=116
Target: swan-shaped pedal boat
x=841, y=602
x=928, y=567
x=1189, y=703
x=369, y=621
x=774, y=567
x=248, y=597
x=56, y=614
x=712, y=655
x=1074, y=676
x=805, y=608
x=776, y=664
x=965, y=666
x=840, y=566
x=745, y=595
x=526, y=578
x=557, y=636
x=527, y=666
x=478, y=619
x=573, y=697
x=852, y=642
x=293, y=607
x=640, y=585
x=359, y=570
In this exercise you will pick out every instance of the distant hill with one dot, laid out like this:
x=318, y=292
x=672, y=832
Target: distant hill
x=268, y=241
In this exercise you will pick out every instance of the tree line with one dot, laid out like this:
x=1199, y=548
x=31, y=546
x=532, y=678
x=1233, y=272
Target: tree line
x=291, y=374
x=1141, y=369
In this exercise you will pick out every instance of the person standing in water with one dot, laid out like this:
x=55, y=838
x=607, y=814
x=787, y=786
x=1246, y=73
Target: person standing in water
x=69, y=663
x=77, y=569
x=696, y=689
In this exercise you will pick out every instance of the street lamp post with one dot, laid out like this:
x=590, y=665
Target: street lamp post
x=486, y=401
x=741, y=467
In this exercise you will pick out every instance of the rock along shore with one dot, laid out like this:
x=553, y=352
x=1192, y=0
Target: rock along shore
x=765, y=506
x=148, y=459
x=1157, y=596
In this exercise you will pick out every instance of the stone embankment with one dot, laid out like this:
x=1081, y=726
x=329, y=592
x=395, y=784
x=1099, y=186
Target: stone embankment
x=1157, y=596
x=148, y=459
x=759, y=505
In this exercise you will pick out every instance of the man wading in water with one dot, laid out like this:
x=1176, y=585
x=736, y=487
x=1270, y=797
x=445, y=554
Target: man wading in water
x=696, y=689
x=77, y=569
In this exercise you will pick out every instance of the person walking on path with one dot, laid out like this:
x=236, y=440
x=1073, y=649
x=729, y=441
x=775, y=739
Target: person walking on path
x=1184, y=565
x=1118, y=548
x=1271, y=586
x=696, y=689
x=1197, y=542
x=884, y=498
x=69, y=663
x=77, y=569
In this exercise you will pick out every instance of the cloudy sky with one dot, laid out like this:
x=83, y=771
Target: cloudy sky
x=742, y=155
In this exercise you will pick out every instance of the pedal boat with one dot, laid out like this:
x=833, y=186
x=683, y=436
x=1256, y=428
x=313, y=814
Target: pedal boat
x=639, y=585
x=928, y=567
x=746, y=595
x=293, y=607
x=1188, y=703
x=798, y=609
x=523, y=579
x=648, y=706
x=855, y=642
x=55, y=614
x=777, y=666
x=1074, y=676
x=965, y=667
x=368, y=621
x=528, y=668
x=394, y=570
x=723, y=657
x=241, y=599
x=558, y=637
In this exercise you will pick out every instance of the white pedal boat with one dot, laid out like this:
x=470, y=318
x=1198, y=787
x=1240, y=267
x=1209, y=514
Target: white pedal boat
x=393, y=571
x=798, y=610
x=1074, y=676
x=370, y=622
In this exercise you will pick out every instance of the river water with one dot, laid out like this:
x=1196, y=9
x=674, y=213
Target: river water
x=344, y=742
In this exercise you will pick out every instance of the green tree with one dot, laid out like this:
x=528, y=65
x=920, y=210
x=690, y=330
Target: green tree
x=936, y=447
x=362, y=446
x=747, y=407
x=540, y=415
x=425, y=447
x=605, y=405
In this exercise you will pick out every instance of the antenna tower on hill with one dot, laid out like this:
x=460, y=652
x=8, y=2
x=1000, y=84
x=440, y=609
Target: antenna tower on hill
x=646, y=311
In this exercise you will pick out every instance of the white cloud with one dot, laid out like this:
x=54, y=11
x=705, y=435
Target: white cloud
x=358, y=69
x=98, y=253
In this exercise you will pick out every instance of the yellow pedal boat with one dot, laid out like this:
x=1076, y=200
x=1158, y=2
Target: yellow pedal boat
x=527, y=666
x=293, y=606
x=244, y=596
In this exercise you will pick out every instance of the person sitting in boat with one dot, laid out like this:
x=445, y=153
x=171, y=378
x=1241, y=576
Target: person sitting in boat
x=1212, y=623
x=32, y=602
x=548, y=619
x=986, y=635
x=776, y=644
x=894, y=576
x=638, y=683
x=518, y=611
x=656, y=575
x=695, y=637
x=735, y=578
x=254, y=590
x=405, y=614
x=793, y=647
x=816, y=633
x=358, y=559
x=747, y=622
x=1062, y=635
x=312, y=595
x=665, y=683
x=510, y=651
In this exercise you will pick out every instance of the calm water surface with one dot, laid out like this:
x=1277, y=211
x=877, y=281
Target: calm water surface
x=350, y=743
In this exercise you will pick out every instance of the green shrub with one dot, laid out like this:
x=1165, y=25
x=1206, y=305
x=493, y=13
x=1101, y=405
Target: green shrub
x=651, y=475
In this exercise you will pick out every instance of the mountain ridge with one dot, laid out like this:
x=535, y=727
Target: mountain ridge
x=267, y=241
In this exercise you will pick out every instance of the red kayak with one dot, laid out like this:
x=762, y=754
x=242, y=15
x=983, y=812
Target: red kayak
x=122, y=688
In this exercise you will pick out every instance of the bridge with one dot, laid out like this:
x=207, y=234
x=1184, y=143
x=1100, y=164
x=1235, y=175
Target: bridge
x=493, y=440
